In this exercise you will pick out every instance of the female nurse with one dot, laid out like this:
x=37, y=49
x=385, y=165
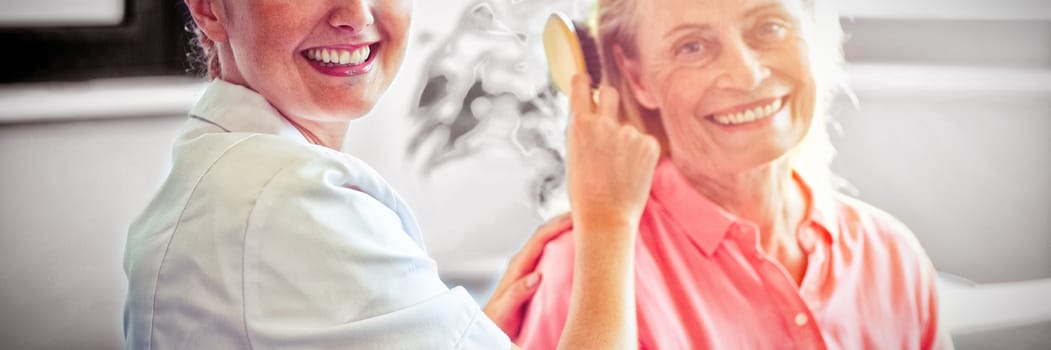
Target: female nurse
x=744, y=242
x=265, y=236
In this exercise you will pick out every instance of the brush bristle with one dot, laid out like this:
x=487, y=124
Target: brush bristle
x=589, y=48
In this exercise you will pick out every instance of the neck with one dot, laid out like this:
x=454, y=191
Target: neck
x=327, y=134
x=330, y=135
x=767, y=196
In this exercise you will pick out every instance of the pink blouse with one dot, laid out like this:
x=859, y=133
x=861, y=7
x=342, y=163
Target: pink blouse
x=703, y=283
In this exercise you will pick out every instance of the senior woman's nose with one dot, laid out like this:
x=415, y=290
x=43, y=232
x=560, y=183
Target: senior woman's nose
x=742, y=68
x=353, y=15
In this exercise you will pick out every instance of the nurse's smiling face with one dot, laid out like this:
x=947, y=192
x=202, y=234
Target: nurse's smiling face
x=316, y=60
x=730, y=78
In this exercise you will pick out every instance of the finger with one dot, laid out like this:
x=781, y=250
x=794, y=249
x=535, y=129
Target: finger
x=654, y=148
x=552, y=228
x=580, y=98
x=505, y=308
x=527, y=257
x=609, y=101
x=525, y=261
x=521, y=292
x=527, y=287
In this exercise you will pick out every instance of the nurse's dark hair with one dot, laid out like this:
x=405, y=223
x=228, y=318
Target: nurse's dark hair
x=206, y=55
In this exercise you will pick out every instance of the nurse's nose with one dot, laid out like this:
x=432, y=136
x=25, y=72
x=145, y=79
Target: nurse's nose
x=353, y=15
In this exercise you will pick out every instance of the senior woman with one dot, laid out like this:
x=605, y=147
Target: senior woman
x=744, y=243
x=265, y=236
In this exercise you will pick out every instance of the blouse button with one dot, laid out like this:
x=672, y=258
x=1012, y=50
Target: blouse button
x=801, y=319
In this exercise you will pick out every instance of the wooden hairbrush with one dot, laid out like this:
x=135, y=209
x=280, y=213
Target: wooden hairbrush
x=570, y=50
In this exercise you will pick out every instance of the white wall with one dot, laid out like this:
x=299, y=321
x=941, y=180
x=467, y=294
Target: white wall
x=69, y=193
x=61, y=13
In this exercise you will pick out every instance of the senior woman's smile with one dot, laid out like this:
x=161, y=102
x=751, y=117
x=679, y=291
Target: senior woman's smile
x=749, y=115
x=731, y=80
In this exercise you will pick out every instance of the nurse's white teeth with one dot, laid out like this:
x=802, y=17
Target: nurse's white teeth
x=749, y=115
x=340, y=56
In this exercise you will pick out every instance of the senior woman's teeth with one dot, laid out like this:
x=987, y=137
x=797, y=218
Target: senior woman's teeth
x=749, y=115
x=340, y=56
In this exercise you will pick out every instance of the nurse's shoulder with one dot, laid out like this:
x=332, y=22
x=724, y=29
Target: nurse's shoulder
x=250, y=173
x=272, y=232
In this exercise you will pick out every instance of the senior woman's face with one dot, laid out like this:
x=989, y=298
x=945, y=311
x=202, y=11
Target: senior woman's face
x=731, y=79
x=317, y=59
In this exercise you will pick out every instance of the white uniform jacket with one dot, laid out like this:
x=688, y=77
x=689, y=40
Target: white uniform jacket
x=260, y=240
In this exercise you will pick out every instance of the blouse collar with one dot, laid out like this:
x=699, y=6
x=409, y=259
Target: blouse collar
x=707, y=224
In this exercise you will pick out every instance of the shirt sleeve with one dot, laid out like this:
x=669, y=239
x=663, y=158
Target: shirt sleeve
x=327, y=266
x=935, y=335
x=546, y=315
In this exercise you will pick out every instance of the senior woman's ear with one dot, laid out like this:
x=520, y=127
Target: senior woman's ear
x=210, y=16
x=631, y=71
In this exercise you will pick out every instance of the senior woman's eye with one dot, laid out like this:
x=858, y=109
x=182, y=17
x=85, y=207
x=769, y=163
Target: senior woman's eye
x=692, y=48
x=771, y=31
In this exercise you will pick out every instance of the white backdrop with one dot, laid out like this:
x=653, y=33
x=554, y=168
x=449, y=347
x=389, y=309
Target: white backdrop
x=61, y=12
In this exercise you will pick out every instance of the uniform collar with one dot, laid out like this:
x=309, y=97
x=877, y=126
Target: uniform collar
x=707, y=224
x=235, y=108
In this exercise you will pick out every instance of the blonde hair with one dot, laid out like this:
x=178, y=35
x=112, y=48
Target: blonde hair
x=208, y=53
x=613, y=22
